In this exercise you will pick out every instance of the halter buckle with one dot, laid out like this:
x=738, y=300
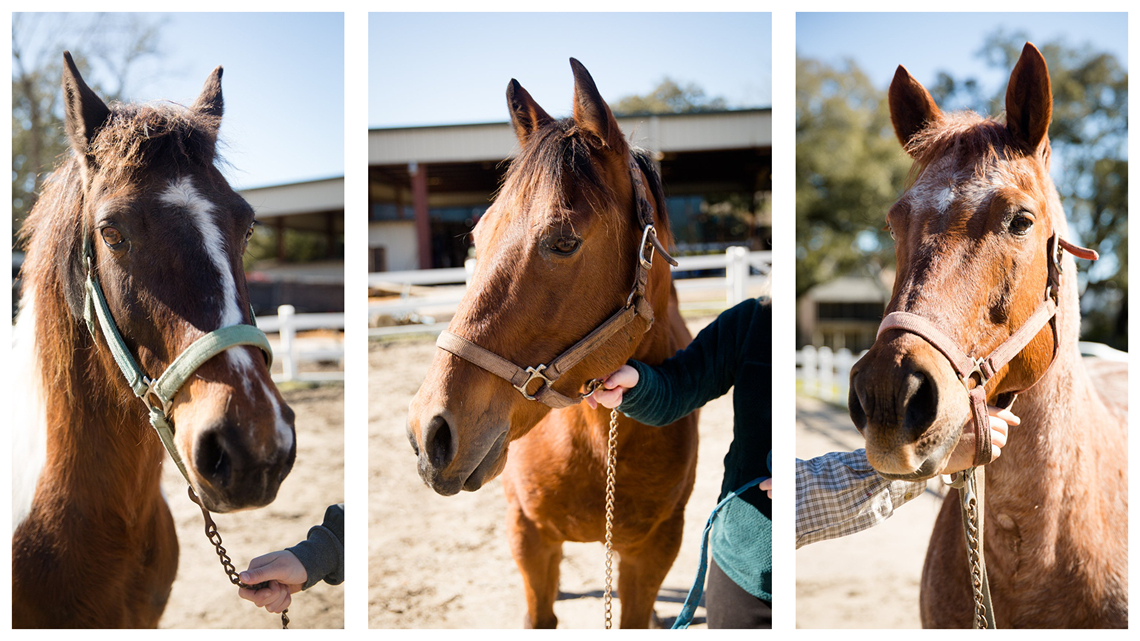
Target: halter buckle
x=152, y=395
x=646, y=262
x=983, y=378
x=535, y=372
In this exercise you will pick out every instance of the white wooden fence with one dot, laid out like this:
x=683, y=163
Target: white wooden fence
x=823, y=373
x=736, y=261
x=290, y=354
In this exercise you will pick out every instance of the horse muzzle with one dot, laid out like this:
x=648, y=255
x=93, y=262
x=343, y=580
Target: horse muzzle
x=909, y=406
x=447, y=463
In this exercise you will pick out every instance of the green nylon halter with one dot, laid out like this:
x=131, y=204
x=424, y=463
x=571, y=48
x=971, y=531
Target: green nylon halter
x=158, y=394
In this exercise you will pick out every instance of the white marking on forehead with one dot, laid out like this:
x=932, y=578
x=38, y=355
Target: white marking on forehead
x=29, y=421
x=284, y=433
x=182, y=194
x=944, y=199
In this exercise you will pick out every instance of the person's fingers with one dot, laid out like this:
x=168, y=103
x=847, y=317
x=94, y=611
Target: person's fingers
x=265, y=596
x=766, y=485
x=591, y=401
x=1003, y=414
x=246, y=593
x=624, y=376
x=610, y=398
x=280, y=603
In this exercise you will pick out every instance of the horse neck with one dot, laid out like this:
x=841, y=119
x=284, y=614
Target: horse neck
x=1058, y=415
x=98, y=449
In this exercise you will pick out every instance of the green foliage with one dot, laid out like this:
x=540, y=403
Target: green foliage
x=300, y=247
x=849, y=170
x=669, y=98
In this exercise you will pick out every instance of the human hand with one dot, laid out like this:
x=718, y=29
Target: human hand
x=285, y=574
x=963, y=455
x=613, y=387
x=766, y=485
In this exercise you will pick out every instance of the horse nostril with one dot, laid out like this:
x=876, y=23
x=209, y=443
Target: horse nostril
x=438, y=443
x=212, y=458
x=412, y=440
x=920, y=403
x=855, y=409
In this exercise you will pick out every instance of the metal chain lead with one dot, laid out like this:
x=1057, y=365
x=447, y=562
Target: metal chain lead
x=227, y=564
x=972, y=545
x=611, y=468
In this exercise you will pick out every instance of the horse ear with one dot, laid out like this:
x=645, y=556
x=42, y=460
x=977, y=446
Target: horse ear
x=912, y=108
x=526, y=115
x=592, y=114
x=84, y=112
x=210, y=102
x=1029, y=99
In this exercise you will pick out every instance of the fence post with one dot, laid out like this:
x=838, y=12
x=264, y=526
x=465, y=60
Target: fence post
x=469, y=267
x=826, y=373
x=285, y=314
x=736, y=273
x=810, y=371
x=843, y=362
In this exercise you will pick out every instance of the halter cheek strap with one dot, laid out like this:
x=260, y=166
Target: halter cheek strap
x=636, y=305
x=158, y=394
x=981, y=370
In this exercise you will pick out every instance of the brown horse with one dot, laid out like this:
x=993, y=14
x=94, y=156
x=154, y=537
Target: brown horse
x=94, y=543
x=972, y=242
x=555, y=253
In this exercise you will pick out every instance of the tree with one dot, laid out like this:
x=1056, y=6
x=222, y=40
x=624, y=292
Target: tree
x=849, y=170
x=111, y=45
x=669, y=98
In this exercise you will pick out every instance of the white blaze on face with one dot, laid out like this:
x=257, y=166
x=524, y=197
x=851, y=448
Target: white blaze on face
x=284, y=433
x=182, y=194
x=29, y=420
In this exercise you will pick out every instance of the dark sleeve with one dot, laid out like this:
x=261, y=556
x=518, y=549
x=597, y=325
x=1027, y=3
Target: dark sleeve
x=322, y=553
x=704, y=370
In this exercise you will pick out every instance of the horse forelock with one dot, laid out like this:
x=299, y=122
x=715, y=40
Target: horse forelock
x=156, y=135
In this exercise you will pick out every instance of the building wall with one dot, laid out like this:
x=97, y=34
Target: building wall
x=398, y=238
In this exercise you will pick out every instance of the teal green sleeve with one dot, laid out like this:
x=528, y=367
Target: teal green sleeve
x=704, y=370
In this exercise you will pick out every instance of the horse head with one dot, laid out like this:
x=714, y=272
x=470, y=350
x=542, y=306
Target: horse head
x=555, y=251
x=973, y=242
x=166, y=235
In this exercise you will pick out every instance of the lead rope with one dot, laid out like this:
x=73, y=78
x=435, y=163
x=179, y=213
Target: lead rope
x=223, y=556
x=611, y=468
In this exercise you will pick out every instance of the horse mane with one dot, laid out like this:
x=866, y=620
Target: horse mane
x=986, y=140
x=557, y=158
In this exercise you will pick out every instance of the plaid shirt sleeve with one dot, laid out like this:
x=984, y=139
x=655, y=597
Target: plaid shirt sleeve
x=840, y=493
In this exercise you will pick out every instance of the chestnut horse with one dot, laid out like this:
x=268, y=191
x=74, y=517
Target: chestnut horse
x=94, y=543
x=556, y=250
x=973, y=234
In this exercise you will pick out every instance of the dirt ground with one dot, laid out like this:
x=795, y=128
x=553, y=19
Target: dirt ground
x=444, y=562
x=202, y=596
x=869, y=579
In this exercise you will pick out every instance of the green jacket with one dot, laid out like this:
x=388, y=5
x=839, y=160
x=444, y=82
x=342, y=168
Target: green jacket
x=734, y=351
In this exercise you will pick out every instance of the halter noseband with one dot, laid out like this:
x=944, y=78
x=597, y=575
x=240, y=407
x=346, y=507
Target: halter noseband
x=158, y=394
x=636, y=305
x=981, y=370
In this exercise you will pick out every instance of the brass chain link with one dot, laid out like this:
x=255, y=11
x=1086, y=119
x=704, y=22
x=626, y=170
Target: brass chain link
x=611, y=468
x=972, y=545
x=227, y=564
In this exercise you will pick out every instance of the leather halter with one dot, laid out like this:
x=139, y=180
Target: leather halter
x=636, y=306
x=158, y=394
x=981, y=370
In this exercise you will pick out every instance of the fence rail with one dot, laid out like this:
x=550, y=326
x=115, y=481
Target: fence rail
x=291, y=353
x=737, y=262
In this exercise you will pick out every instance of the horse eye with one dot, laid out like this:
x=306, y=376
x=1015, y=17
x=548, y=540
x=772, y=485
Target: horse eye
x=111, y=236
x=1020, y=225
x=565, y=245
x=249, y=232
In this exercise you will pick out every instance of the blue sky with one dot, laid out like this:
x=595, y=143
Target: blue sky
x=454, y=68
x=926, y=43
x=283, y=87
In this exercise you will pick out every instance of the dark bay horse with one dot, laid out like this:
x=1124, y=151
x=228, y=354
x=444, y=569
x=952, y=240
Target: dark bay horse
x=556, y=251
x=974, y=235
x=93, y=542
